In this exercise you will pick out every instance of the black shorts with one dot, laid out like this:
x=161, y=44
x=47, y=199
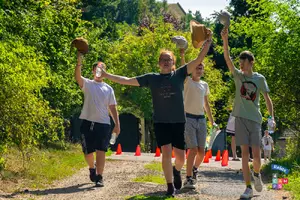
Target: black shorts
x=170, y=133
x=94, y=136
x=230, y=134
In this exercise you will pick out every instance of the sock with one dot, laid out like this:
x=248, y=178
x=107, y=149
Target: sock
x=195, y=168
x=248, y=185
x=188, y=177
x=175, y=170
x=255, y=173
x=170, y=187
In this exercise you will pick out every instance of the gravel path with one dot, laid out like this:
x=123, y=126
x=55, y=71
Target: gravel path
x=214, y=183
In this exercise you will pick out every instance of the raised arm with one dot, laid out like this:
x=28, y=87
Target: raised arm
x=120, y=79
x=115, y=116
x=196, y=62
x=78, y=76
x=228, y=60
x=182, y=59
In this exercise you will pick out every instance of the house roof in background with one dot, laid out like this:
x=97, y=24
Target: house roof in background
x=176, y=10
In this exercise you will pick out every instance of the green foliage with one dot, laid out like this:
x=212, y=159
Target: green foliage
x=150, y=178
x=155, y=166
x=294, y=183
x=25, y=119
x=276, y=38
x=143, y=197
x=44, y=166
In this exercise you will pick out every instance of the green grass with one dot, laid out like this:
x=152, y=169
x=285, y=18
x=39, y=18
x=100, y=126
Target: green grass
x=142, y=197
x=150, y=178
x=43, y=167
x=155, y=166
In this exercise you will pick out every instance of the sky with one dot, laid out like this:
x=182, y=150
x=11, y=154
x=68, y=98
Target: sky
x=206, y=7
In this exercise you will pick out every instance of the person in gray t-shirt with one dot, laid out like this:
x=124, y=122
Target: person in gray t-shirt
x=168, y=108
x=247, y=114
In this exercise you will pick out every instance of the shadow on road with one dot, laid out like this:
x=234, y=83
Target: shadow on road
x=66, y=190
x=221, y=175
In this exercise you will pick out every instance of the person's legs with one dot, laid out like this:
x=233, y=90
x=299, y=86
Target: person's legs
x=245, y=164
x=100, y=161
x=258, y=185
x=102, y=132
x=167, y=167
x=191, y=143
x=178, y=143
x=163, y=138
x=190, y=161
x=243, y=140
x=179, y=158
x=265, y=155
x=89, y=158
x=88, y=147
x=167, y=162
x=256, y=158
x=233, y=147
x=199, y=157
x=189, y=183
x=201, y=140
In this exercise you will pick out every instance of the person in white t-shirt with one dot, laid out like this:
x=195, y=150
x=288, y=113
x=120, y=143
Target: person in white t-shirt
x=268, y=145
x=99, y=100
x=196, y=103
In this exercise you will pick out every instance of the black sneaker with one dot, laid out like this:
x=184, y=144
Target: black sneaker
x=92, y=174
x=195, y=173
x=170, y=191
x=99, y=181
x=177, y=179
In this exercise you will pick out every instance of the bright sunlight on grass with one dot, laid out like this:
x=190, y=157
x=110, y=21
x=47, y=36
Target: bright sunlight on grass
x=151, y=178
x=155, y=166
x=43, y=166
x=142, y=197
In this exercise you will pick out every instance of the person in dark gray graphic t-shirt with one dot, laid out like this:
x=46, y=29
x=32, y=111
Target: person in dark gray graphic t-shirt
x=169, y=117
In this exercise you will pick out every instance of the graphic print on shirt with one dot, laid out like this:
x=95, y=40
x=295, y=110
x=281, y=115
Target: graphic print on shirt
x=248, y=90
x=166, y=90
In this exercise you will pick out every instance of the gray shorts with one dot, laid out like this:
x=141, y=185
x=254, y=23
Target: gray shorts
x=267, y=153
x=195, y=132
x=247, y=132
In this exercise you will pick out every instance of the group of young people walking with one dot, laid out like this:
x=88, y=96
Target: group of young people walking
x=180, y=102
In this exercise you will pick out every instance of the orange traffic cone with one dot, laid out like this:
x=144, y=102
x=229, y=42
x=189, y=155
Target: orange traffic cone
x=206, y=158
x=173, y=155
x=157, y=152
x=210, y=153
x=225, y=158
x=119, y=149
x=137, y=151
x=218, y=156
x=187, y=153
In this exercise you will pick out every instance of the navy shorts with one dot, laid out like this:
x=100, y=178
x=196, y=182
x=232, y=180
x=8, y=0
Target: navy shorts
x=170, y=133
x=94, y=136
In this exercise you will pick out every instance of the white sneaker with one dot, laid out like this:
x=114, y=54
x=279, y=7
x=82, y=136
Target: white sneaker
x=189, y=184
x=258, y=184
x=247, y=194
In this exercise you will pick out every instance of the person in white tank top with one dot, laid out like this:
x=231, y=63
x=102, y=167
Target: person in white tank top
x=99, y=100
